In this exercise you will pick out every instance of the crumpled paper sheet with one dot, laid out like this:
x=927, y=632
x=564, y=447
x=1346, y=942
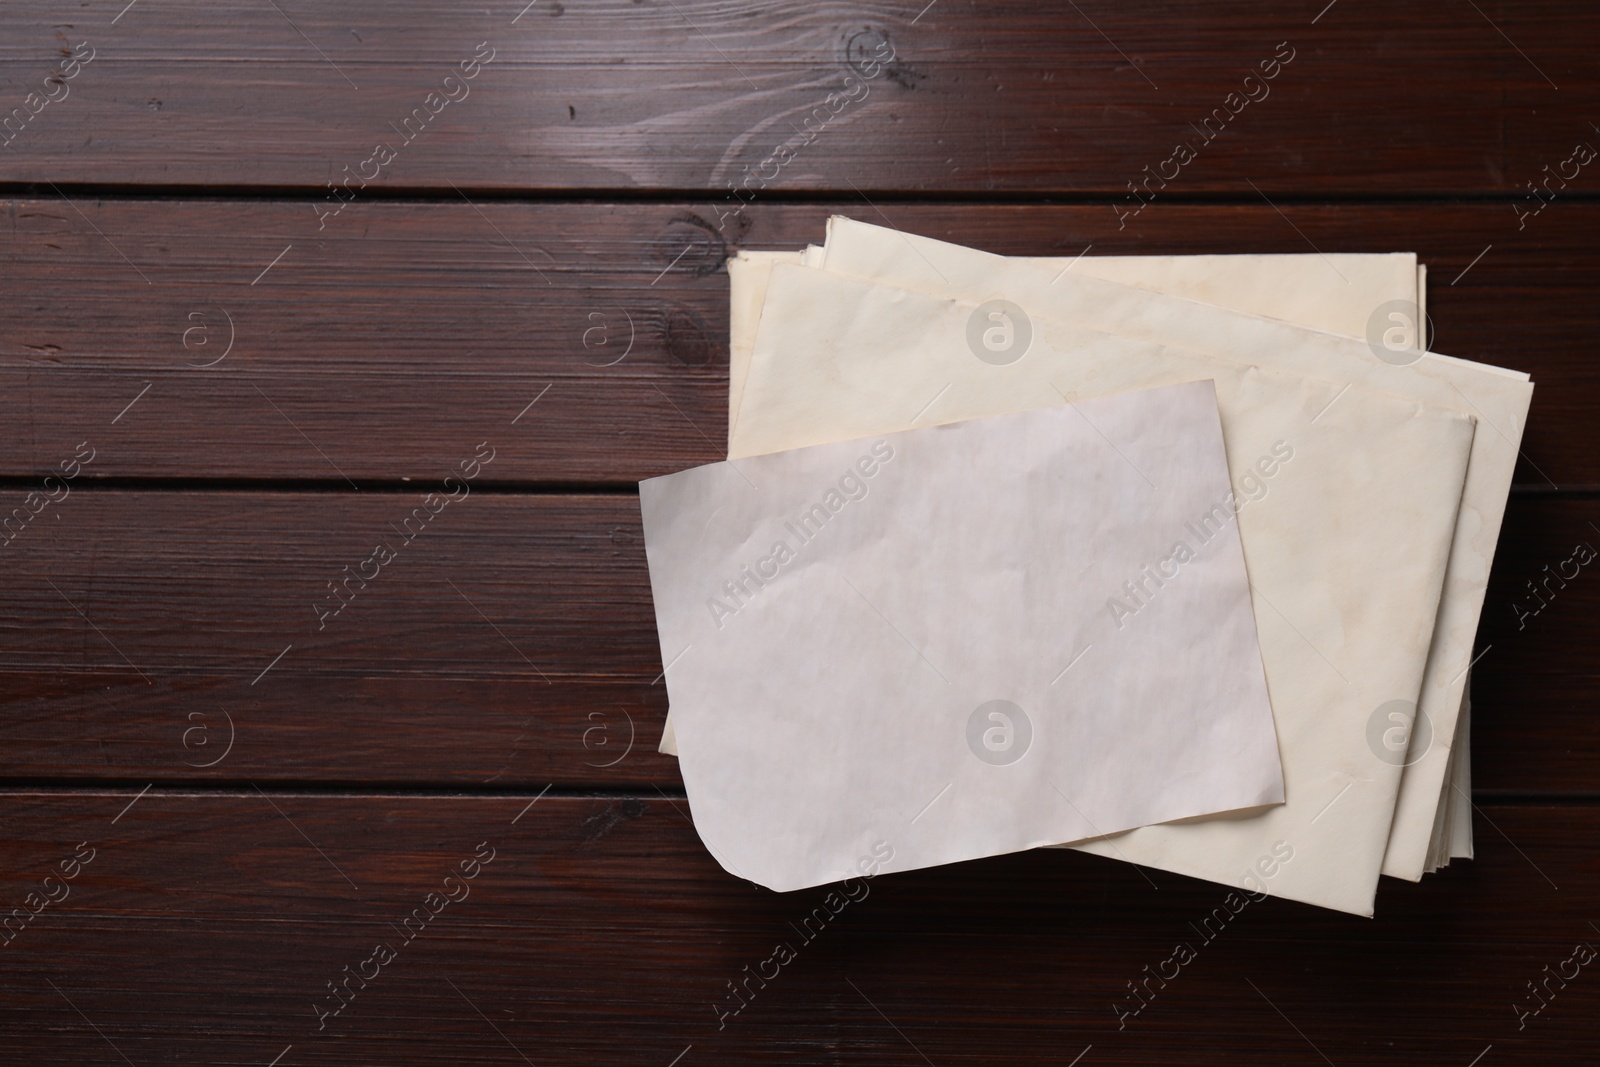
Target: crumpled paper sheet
x=845, y=684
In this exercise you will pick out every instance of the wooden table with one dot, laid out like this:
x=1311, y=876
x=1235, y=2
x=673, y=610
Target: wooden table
x=272, y=270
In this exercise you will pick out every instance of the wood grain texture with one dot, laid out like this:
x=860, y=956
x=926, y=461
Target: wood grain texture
x=602, y=932
x=1537, y=674
x=511, y=642
x=391, y=348
x=271, y=373
x=1375, y=97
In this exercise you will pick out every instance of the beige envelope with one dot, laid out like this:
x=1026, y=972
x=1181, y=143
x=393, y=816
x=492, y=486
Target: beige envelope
x=1498, y=398
x=832, y=362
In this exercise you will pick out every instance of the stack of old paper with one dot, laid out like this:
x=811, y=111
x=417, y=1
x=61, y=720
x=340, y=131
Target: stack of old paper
x=1036, y=579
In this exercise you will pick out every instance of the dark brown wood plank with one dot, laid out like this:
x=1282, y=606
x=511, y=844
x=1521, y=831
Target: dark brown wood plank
x=1365, y=97
x=510, y=640
x=391, y=347
x=1537, y=676
x=510, y=643
x=602, y=932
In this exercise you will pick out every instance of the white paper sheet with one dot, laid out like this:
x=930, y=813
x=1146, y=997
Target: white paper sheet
x=843, y=681
x=834, y=357
x=1499, y=398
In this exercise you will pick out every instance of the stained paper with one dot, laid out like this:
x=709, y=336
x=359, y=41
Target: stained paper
x=1496, y=397
x=1335, y=293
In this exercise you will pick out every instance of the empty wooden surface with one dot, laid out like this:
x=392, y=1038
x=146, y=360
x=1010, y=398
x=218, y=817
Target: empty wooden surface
x=601, y=932
x=1372, y=96
x=271, y=375
x=351, y=355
